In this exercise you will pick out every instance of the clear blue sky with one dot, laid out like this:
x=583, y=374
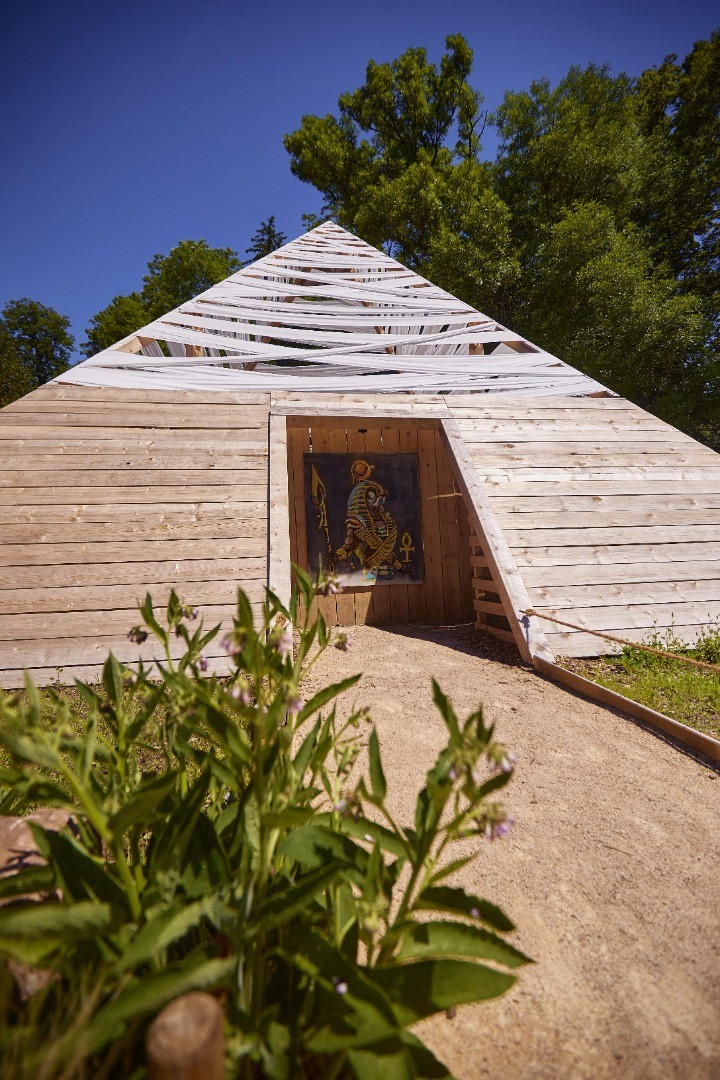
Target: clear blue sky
x=129, y=126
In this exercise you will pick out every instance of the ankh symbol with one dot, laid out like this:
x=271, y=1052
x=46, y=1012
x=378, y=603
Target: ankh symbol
x=406, y=546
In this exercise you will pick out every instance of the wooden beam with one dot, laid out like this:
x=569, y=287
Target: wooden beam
x=697, y=740
x=527, y=632
x=279, y=511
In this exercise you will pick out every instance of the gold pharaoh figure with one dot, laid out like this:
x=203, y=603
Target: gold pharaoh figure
x=371, y=530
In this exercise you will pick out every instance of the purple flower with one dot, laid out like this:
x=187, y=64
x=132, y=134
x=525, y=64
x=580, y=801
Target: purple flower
x=191, y=613
x=339, y=985
x=295, y=704
x=329, y=585
x=230, y=644
x=502, y=828
x=137, y=635
x=281, y=638
x=499, y=759
x=342, y=642
x=202, y=663
x=494, y=823
x=241, y=692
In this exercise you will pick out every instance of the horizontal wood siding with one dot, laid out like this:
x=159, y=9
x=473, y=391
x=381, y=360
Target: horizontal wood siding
x=611, y=515
x=108, y=494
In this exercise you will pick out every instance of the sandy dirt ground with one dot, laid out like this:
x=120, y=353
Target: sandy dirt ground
x=611, y=873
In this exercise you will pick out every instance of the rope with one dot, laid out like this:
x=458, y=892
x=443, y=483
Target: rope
x=623, y=641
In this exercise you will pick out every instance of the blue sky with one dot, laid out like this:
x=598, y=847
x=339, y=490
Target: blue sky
x=130, y=126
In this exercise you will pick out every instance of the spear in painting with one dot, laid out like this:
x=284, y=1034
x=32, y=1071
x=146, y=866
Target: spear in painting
x=318, y=496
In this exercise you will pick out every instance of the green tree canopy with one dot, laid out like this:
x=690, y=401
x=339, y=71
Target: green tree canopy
x=596, y=232
x=400, y=166
x=191, y=267
x=266, y=239
x=122, y=317
x=35, y=346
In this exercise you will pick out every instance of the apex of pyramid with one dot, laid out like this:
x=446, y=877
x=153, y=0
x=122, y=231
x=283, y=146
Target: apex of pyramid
x=347, y=316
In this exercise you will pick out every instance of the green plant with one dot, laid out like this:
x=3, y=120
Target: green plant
x=666, y=683
x=253, y=858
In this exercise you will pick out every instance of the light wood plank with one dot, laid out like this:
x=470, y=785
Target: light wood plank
x=615, y=618
x=59, y=626
x=601, y=505
x=75, y=651
x=157, y=512
x=146, y=575
x=18, y=500
x=646, y=534
x=574, y=644
x=602, y=519
x=578, y=486
x=279, y=512
x=135, y=551
x=504, y=569
x=69, y=392
x=108, y=597
x=132, y=478
x=82, y=533
x=148, y=460
x=568, y=555
x=35, y=436
x=614, y=573
x=581, y=597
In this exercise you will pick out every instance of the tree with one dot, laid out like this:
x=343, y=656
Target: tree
x=35, y=346
x=620, y=321
x=680, y=109
x=410, y=108
x=580, y=142
x=266, y=239
x=191, y=267
x=613, y=189
x=595, y=232
x=400, y=166
x=122, y=317
x=15, y=381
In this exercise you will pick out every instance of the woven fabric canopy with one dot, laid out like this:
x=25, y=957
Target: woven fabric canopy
x=328, y=312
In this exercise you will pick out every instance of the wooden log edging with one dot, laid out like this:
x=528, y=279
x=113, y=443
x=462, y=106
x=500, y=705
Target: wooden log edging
x=688, y=736
x=186, y=1041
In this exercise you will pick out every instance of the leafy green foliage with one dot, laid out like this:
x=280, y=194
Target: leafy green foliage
x=595, y=232
x=191, y=267
x=121, y=318
x=688, y=694
x=224, y=835
x=35, y=346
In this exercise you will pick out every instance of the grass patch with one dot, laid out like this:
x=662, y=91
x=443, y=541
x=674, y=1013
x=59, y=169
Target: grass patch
x=687, y=694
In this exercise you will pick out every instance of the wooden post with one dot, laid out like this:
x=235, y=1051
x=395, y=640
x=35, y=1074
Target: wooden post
x=278, y=510
x=185, y=1041
x=528, y=635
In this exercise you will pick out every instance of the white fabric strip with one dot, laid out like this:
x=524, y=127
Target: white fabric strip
x=349, y=318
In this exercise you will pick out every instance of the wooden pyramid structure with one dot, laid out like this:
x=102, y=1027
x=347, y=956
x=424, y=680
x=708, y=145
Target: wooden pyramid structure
x=175, y=459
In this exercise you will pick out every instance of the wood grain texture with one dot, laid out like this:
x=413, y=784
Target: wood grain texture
x=109, y=494
x=611, y=516
x=445, y=595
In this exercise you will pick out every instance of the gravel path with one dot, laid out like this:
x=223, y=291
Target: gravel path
x=612, y=872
